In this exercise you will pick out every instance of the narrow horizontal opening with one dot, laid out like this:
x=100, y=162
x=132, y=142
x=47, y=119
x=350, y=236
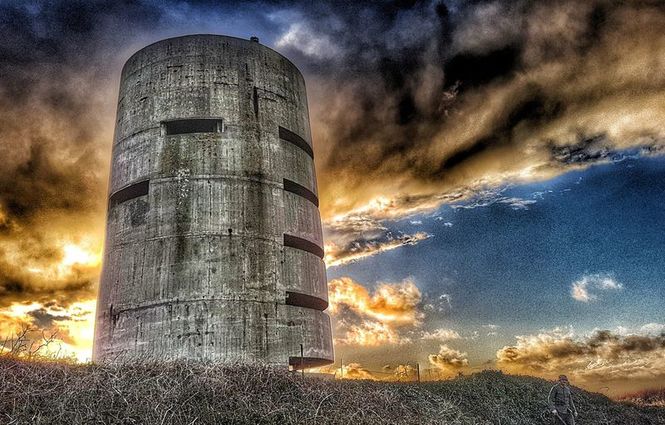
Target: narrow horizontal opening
x=295, y=188
x=303, y=300
x=130, y=192
x=293, y=138
x=299, y=363
x=197, y=125
x=303, y=244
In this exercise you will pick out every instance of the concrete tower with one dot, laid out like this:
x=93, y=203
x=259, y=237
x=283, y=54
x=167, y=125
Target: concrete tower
x=213, y=239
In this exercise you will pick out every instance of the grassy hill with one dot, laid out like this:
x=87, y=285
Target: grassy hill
x=652, y=397
x=192, y=393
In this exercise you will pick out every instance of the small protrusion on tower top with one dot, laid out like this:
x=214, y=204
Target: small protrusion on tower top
x=254, y=39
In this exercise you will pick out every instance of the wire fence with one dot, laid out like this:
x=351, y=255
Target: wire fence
x=404, y=372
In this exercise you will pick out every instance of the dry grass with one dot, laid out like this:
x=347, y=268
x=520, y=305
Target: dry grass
x=497, y=398
x=57, y=392
x=653, y=397
x=196, y=393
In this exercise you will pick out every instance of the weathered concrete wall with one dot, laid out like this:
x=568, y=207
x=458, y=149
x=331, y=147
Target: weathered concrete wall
x=214, y=244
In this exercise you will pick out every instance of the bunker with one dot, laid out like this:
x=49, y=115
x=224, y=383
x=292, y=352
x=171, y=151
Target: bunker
x=214, y=249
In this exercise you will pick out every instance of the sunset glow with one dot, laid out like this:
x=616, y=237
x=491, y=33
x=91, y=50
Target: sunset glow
x=489, y=174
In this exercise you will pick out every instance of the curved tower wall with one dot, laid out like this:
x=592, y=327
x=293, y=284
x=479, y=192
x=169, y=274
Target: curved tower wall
x=214, y=246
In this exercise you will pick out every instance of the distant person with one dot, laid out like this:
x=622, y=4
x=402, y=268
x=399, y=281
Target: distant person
x=560, y=402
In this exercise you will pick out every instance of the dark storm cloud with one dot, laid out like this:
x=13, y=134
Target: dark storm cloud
x=45, y=320
x=586, y=150
x=56, y=110
x=38, y=184
x=412, y=98
x=17, y=284
x=432, y=97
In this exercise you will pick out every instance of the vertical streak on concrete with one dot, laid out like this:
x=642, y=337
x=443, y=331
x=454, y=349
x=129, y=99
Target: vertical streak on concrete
x=197, y=267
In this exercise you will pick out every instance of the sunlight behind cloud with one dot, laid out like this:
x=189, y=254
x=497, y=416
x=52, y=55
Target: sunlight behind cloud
x=80, y=254
x=71, y=328
x=70, y=321
x=394, y=303
x=372, y=319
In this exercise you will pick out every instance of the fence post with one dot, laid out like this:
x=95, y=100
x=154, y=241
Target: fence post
x=302, y=360
x=418, y=370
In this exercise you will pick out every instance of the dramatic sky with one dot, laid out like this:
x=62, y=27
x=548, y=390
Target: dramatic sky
x=491, y=173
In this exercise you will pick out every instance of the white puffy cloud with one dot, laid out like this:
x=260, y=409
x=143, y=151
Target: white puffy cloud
x=381, y=317
x=585, y=289
x=441, y=334
x=448, y=359
x=301, y=37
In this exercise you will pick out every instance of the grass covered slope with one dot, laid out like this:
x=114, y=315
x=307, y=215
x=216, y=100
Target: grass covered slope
x=193, y=393
x=652, y=397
